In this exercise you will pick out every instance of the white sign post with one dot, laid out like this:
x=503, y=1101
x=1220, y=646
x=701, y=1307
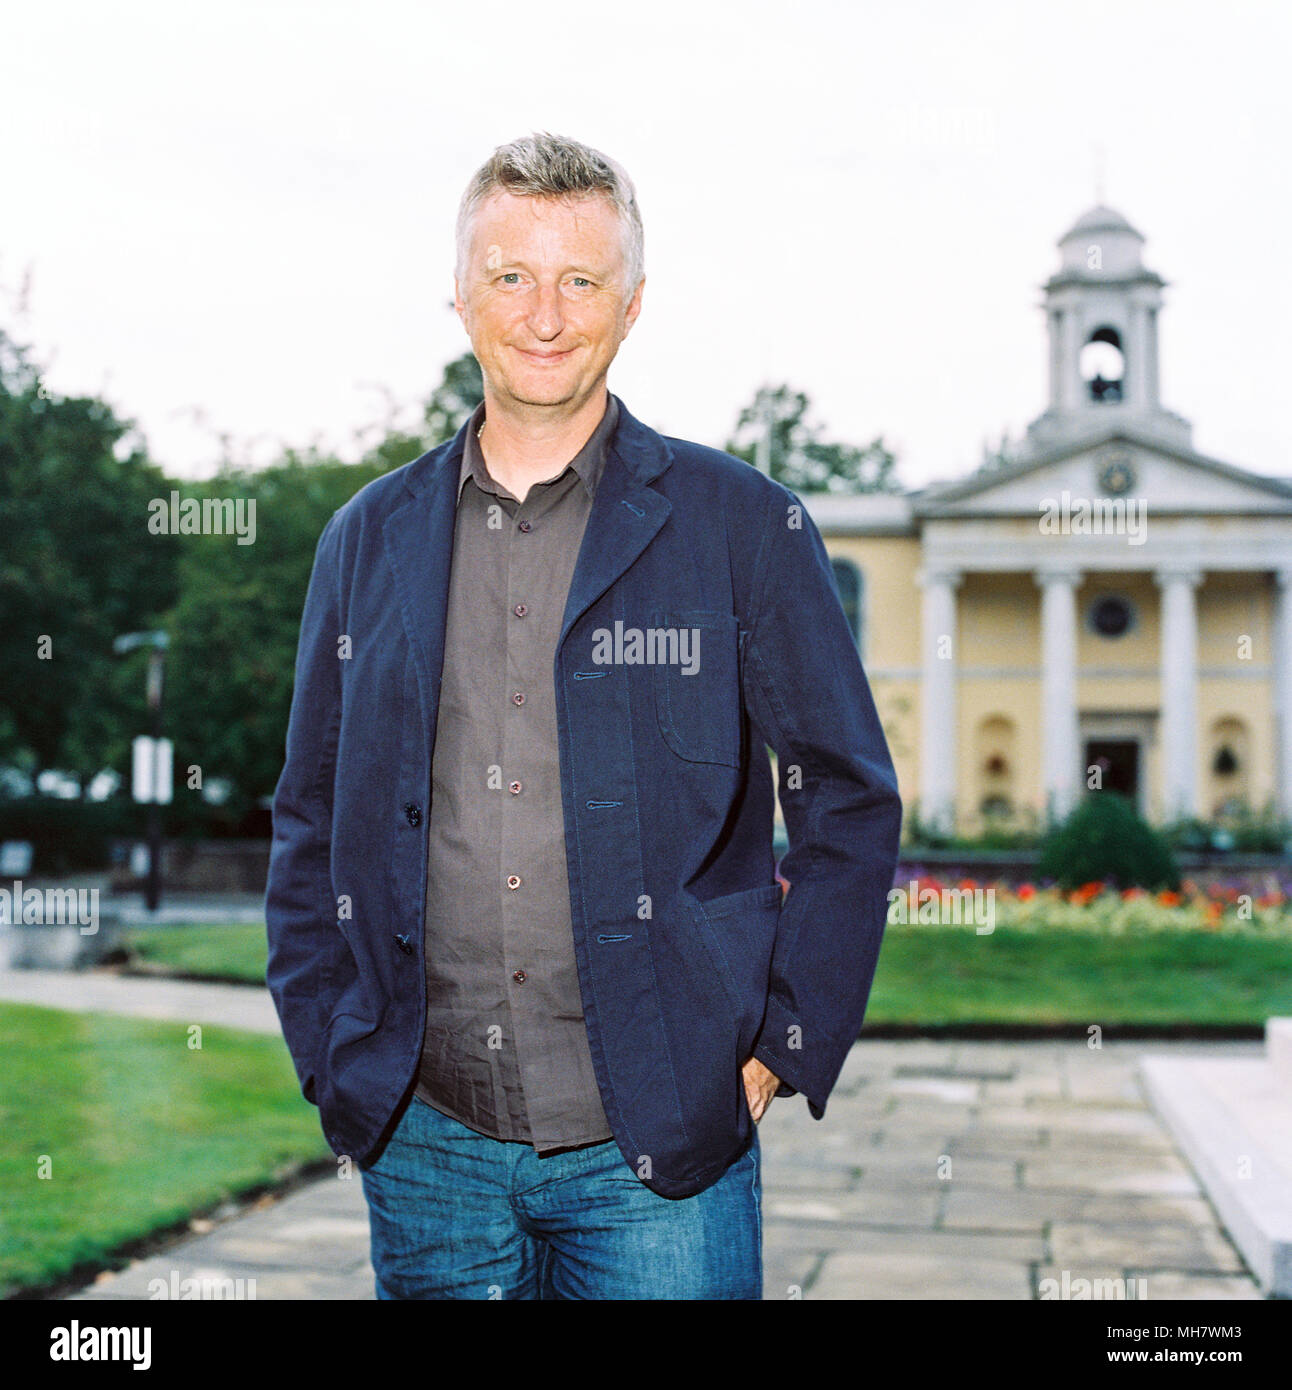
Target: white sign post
x=151, y=780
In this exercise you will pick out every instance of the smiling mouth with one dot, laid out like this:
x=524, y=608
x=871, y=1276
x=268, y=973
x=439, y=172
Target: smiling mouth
x=545, y=356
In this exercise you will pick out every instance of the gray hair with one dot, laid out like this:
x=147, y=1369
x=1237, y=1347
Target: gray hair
x=543, y=165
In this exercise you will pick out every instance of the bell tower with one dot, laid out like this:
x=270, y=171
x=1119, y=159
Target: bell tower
x=1101, y=310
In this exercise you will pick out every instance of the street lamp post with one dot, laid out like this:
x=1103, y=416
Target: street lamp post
x=153, y=792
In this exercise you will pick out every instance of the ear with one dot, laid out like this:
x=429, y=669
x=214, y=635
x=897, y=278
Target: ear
x=634, y=307
x=458, y=304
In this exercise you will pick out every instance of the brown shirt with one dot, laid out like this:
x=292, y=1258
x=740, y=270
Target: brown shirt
x=506, y=1048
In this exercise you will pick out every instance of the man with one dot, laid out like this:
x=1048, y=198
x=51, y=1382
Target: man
x=526, y=939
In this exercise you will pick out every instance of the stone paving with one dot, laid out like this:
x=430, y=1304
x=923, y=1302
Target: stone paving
x=978, y=1170
x=941, y=1170
x=104, y=991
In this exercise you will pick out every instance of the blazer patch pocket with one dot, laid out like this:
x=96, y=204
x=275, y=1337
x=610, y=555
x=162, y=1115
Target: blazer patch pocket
x=695, y=653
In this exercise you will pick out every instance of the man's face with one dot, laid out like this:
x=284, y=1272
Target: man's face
x=543, y=300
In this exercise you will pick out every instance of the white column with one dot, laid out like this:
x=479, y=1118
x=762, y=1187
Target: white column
x=1056, y=358
x=1137, y=360
x=938, y=697
x=1179, y=750
x=1283, y=687
x=1060, y=743
x=1071, y=386
x=1150, y=347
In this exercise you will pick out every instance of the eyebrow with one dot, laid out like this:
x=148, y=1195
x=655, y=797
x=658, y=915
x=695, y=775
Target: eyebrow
x=505, y=267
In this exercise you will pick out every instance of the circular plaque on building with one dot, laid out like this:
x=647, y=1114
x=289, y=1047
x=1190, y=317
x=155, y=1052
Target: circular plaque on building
x=1117, y=473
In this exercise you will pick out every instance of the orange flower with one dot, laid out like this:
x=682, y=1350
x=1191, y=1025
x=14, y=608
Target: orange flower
x=1026, y=891
x=1169, y=899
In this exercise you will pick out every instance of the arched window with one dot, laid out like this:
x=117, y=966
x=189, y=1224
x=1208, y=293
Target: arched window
x=848, y=584
x=1103, y=368
x=995, y=742
x=1229, y=756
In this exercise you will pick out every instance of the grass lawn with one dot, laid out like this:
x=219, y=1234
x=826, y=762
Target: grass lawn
x=947, y=975
x=140, y=1130
x=232, y=952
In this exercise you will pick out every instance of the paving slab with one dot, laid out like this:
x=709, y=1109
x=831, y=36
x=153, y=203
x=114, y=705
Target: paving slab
x=1165, y=1245
x=908, y=1275
x=1035, y=1209
x=1163, y=1174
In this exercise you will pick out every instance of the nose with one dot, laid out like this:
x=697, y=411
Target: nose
x=545, y=317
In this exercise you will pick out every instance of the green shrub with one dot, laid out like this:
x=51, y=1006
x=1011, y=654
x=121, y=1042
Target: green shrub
x=1104, y=839
x=70, y=836
x=66, y=835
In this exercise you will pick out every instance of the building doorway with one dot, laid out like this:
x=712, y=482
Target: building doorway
x=1118, y=760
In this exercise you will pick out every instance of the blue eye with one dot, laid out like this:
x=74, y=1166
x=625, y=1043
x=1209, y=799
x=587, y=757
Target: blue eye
x=511, y=276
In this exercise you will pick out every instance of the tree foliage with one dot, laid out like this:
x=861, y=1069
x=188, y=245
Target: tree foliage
x=238, y=619
x=796, y=454
x=78, y=568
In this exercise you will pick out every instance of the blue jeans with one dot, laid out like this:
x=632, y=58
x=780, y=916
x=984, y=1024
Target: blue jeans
x=456, y=1214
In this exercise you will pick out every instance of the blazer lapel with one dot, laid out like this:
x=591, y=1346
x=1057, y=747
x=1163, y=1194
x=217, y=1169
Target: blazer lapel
x=418, y=538
x=626, y=514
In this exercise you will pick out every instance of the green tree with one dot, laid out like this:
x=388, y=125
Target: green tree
x=235, y=628
x=78, y=568
x=447, y=409
x=796, y=454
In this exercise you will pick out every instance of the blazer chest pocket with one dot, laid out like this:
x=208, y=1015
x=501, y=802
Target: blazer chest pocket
x=695, y=653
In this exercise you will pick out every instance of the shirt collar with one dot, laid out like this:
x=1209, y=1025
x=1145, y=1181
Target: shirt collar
x=588, y=463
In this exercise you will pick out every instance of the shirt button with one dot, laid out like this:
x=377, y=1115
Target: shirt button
x=513, y=882
x=514, y=788
x=519, y=976
x=520, y=610
x=413, y=813
x=524, y=526
x=518, y=698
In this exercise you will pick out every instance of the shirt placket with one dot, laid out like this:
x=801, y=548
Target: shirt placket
x=523, y=875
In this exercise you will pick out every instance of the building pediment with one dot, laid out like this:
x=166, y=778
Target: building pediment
x=1120, y=462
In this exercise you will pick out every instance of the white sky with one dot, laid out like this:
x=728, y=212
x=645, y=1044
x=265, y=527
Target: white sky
x=246, y=209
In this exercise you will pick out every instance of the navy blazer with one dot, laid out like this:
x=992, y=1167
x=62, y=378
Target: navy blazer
x=688, y=958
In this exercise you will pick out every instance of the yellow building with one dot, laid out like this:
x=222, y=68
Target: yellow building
x=1113, y=608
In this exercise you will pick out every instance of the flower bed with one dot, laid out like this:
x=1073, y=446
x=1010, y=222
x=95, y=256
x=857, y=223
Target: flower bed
x=1261, y=907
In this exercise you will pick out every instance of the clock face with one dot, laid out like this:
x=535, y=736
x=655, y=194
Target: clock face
x=1117, y=476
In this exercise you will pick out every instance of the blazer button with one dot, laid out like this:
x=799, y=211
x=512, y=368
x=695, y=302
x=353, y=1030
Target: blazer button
x=404, y=943
x=414, y=813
